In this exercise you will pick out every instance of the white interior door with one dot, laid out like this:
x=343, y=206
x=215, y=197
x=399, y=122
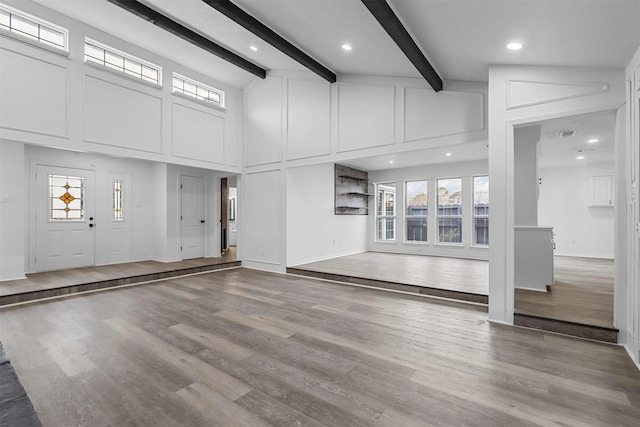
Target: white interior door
x=65, y=208
x=192, y=217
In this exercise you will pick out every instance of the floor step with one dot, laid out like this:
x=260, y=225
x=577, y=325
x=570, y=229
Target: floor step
x=596, y=333
x=421, y=290
x=29, y=296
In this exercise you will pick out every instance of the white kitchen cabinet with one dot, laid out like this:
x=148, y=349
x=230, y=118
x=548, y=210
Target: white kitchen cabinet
x=533, y=257
x=601, y=191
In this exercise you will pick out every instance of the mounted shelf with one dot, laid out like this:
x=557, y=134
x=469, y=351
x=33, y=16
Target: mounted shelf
x=352, y=178
x=351, y=196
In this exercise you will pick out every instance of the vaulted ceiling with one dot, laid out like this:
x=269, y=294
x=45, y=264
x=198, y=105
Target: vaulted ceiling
x=459, y=37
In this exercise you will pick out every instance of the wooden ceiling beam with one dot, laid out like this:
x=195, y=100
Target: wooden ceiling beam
x=189, y=35
x=383, y=13
x=233, y=12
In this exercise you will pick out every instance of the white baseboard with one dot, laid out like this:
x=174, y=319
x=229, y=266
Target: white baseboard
x=324, y=258
x=630, y=352
x=12, y=277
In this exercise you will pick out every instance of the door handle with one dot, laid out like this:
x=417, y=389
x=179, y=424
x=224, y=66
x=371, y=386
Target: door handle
x=91, y=225
x=202, y=221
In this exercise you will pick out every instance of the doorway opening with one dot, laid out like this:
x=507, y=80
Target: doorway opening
x=574, y=202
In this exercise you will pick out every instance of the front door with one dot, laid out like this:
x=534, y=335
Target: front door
x=192, y=217
x=65, y=236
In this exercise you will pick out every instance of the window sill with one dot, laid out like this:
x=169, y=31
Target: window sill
x=413, y=242
x=386, y=241
x=34, y=43
x=200, y=102
x=450, y=245
x=121, y=74
x=481, y=247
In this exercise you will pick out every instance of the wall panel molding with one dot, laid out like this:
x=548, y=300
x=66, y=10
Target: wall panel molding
x=264, y=112
x=197, y=134
x=428, y=114
x=37, y=99
x=366, y=116
x=120, y=116
x=308, y=124
x=524, y=93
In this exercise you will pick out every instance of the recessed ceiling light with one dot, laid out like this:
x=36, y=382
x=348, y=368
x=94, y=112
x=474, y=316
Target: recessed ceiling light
x=390, y=161
x=253, y=48
x=514, y=46
x=593, y=141
x=346, y=46
x=579, y=157
x=448, y=154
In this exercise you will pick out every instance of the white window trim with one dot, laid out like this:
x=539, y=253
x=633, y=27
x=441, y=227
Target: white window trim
x=198, y=101
x=474, y=216
x=426, y=217
x=394, y=216
x=25, y=39
x=158, y=68
x=196, y=83
x=438, y=216
x=119, y=74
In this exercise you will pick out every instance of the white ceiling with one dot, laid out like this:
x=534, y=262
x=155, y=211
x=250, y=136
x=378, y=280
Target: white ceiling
x=461, y=37
x=556, y=151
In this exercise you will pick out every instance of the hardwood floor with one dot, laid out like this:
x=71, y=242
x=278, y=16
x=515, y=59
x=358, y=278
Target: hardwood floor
x=241, y=347
x=582, y=293
x=63, y=282
x=465, y=279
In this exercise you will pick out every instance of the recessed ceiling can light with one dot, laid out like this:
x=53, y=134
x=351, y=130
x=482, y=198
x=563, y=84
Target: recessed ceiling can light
x=593, y=141
x=390, y=161
x=514, y=46
x=580, y=158
x=448, y=154
x=253, y=48
x=346, y=47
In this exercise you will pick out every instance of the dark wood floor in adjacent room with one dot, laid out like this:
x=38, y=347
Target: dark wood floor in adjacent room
x=241, y=347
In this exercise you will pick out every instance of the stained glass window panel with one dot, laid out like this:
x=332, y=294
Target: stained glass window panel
x=117, y=200
x=66, y=198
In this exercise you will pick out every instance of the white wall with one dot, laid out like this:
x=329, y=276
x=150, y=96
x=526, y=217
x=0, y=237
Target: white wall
x=627, y=313
x=464, y=170
x=139, y=203
x=295, y=120
x=579, y=230
x=13, y=204
x=525, y=184
x=57, y=100
x=314, y=232
x=262, y=215
x=520, y=95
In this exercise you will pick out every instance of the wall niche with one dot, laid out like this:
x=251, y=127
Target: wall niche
x=351, y=186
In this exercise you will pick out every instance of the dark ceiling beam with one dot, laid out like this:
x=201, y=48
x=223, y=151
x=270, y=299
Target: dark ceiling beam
x=191, y=36
x=233, y=12
x=383, y=13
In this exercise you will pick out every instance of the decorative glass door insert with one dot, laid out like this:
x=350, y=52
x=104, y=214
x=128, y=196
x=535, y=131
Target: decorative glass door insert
x=66, y=198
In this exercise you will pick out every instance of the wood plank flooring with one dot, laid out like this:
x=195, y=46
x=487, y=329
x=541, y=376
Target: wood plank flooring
x=64, y=282
x=465, y=279
x=582, y=293
x=247, y=348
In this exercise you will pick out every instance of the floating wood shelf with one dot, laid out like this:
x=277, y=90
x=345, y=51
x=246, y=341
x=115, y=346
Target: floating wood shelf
x=351, y=194
x=351, y=191
x=353, y=178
